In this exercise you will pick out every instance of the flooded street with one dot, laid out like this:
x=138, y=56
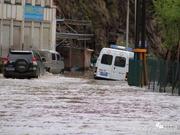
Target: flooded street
x=57, y=105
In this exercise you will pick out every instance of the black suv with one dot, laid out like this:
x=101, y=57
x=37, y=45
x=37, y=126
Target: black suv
x=23, y=64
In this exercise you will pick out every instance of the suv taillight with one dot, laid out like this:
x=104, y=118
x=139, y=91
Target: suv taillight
x=5, y=60
x=34, y=59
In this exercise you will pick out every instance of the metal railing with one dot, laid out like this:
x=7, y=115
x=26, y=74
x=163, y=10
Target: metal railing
x=163, y=75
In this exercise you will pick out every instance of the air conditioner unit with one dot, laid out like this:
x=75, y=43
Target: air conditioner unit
x=47, y=3
x=38, y=2
x=7, y=1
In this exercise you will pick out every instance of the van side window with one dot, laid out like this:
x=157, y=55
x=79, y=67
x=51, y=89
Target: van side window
x=107, y=59
x=58, y=57
x=53, y=56
x=120, y=62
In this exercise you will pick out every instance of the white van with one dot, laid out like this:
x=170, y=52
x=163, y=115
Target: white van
x=113, y=63
x=54, y=62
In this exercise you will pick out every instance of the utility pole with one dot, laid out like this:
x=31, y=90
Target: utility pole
x=140, y=49
x=127, y=25
x=135, y=15
x=143, y=29
x=137, y=23
x=140, y=23
x=1, y=26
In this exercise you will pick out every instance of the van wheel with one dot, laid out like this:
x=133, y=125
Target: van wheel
x=48, y=69
x=95, y=77
x=62, y=71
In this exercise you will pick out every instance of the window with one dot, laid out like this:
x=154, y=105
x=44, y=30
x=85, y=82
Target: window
x=53, y=56
x=7, y=1
x=107, y=59
x=58, y=57
x=18, y=1
x=120, y=62
x=47, y=3
x=38, y=2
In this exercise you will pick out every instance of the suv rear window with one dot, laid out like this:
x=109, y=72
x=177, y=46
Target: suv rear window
x=107, y=59
x=18, y=55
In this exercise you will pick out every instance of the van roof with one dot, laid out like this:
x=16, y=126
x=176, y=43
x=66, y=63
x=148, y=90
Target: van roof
x=115, y=50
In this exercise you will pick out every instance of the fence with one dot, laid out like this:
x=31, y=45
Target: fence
x=135, y=72
x=164, y=76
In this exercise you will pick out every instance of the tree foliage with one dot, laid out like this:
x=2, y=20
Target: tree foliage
x=168, y=15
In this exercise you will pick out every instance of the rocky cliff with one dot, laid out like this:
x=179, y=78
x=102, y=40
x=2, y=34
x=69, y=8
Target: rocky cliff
x=109, y=20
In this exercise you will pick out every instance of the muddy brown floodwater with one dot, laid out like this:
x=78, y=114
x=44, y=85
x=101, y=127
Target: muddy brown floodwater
x=58, y=105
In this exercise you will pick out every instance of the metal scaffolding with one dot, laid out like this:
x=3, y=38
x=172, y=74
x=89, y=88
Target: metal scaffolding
x=73, y=32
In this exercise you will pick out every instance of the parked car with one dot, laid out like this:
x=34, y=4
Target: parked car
x=54, y=62
x=23, y=64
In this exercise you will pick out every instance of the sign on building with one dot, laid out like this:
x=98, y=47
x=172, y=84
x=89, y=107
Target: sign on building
x=33, y=13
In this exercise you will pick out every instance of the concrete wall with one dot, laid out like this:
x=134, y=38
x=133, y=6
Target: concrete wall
x=18, y=32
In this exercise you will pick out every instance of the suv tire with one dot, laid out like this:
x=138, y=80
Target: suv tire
x=5, y=75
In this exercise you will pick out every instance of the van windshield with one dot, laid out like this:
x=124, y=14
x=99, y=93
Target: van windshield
x=107, y=59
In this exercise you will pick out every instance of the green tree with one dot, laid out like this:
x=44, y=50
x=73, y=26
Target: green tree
x=168, y=16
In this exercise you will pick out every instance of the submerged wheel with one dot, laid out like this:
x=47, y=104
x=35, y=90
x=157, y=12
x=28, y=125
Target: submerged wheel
x=62, y=71
x=5, y=75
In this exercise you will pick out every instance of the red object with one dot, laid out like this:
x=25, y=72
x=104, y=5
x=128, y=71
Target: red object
x=5, y=60
x=34, y=59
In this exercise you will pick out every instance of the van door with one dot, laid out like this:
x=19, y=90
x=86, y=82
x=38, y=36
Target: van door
x=60, y=63
x=105, y=66
x=119, y=68
x=53, y=63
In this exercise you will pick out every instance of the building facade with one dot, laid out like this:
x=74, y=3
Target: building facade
x=26, y=25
